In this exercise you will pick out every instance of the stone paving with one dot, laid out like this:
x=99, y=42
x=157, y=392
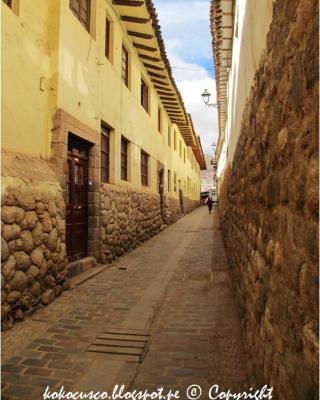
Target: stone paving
x=177, y=287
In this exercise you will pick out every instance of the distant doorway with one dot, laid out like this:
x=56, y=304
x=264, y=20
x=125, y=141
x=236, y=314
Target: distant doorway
x=77, y=198
x=161, y=191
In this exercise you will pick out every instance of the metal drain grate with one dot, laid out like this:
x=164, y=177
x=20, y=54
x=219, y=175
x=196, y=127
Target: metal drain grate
x=124, y=344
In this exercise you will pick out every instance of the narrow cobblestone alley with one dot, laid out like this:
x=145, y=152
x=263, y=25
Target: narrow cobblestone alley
x=176, y=288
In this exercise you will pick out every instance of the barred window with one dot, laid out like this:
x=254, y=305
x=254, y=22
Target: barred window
x=144, y=168
x=105, y=154
x=144, y=95
x=81, y=9
x=124, y=159
x=125, y=66
x=169, y=136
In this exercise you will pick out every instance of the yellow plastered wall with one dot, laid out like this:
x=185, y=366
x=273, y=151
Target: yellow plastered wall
x=29, y=64
x=64, y=67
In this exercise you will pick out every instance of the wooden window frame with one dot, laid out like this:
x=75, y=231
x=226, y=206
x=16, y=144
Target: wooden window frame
x=144, y=164
x=107, y=39
x=144, y=95
x=78, y=14
x=125, y=66
x=105, y=154
x=124, y=158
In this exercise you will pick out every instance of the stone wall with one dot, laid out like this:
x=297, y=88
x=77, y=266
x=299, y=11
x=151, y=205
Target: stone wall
x=172, y=210
x=33, y=251
x=127, y=218
x=269, y=206
x=130, y=217
x=190, y=205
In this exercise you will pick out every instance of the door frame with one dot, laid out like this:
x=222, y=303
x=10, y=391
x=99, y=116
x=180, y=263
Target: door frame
x=75, y=157
x=64, y=123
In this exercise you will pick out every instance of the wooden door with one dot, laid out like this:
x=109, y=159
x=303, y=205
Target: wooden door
x=77, y=201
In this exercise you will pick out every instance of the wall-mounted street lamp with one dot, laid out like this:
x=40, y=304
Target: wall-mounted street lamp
x=206, y=98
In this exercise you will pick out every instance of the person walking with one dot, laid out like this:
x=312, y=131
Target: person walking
x=209, y=204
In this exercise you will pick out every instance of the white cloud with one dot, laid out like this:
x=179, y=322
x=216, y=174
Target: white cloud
x=205, y=119
x=188, y=20
x=183, y=70
x=186, y=32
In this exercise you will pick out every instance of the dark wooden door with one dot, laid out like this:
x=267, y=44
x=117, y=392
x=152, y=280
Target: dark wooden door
x=77, y=201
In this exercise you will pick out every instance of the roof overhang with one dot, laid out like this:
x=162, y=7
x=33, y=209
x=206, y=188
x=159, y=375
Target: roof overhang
x=140, y=20
x=221, y=19
x=198, y=153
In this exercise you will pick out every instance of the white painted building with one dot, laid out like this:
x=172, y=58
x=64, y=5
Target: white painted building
x=239, y=29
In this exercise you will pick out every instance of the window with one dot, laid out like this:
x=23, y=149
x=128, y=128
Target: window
x=125, y=66
x=180, y=149
x=175, y=140
x=124, y=159
x=144, y=95
x=144, y=168
x=105, y=154
x=169, y=180
x=184, y=154
x=159, y=120
x=169, y=136
x=107, y=39
x=175, y=181
x=81, y=9
x=8, y=3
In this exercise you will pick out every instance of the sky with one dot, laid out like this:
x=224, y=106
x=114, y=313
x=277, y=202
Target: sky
x=185, y=29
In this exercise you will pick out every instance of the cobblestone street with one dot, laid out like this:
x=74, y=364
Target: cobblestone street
x=175, y=289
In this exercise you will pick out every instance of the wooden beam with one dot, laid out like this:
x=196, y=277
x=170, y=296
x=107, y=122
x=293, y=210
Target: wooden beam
x=166, y=93
x=128, y=3
x=157, y=75
x=136, y=20
x=163, y=88
x=165, y=98
x=153, y=67
x=169, y=109
x=174, y=113
x=146, y=57
x=174, y=110
x=159, y=82
x=143, y=47
x=170, y=103
x=172, y=107
x=140, y=35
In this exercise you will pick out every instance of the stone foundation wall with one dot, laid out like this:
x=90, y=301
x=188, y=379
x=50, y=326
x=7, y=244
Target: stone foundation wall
x=127, y=219
x=269, y=206
x=130, y=217
x=172, y=210
x=33, y=251
x=190, y=205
